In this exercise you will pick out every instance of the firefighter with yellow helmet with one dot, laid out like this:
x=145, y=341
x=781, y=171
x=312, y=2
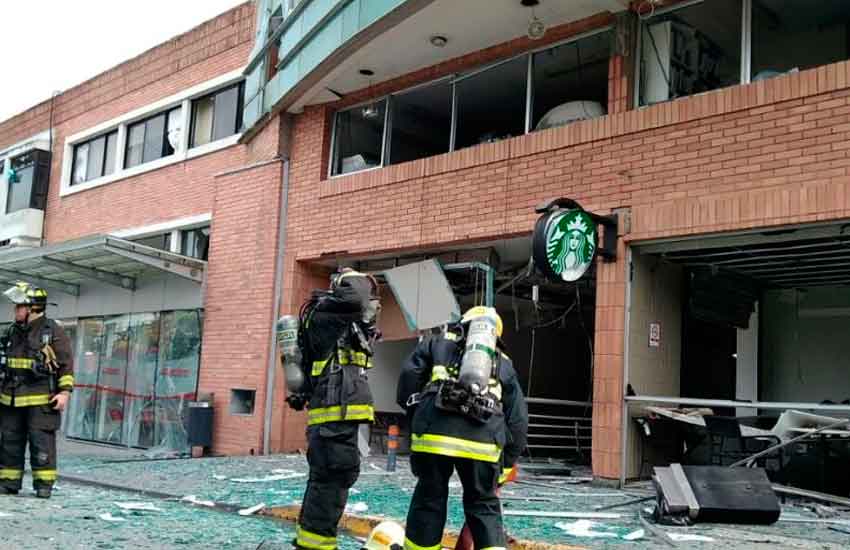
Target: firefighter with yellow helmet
x=36, y=366
x=468, y=414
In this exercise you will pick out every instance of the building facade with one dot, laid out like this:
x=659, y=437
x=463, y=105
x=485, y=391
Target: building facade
x=118, y=227
x=380, y=133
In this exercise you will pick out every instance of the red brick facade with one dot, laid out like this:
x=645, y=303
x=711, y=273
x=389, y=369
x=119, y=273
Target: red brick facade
x=759, y=155
x=244, y=204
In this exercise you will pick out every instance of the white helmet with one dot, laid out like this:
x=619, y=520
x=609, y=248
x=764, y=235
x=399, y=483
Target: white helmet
x=387, y=535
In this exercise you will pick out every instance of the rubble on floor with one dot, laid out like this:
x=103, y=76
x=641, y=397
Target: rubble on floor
x=379, y=493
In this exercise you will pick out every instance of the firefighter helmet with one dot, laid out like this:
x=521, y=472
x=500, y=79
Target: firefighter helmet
x=387, y=535
x=25, y=294
x=482, y=311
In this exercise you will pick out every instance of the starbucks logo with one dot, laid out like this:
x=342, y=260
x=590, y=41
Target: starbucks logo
x=565, y=244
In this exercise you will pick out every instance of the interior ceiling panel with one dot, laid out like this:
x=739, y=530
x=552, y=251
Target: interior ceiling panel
x=805, y=258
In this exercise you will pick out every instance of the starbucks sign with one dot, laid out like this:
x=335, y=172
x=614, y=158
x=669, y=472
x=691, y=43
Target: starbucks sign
x=565, y=244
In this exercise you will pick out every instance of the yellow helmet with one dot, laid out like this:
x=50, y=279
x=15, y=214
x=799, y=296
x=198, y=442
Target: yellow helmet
x=387, y=535
x=483, y=311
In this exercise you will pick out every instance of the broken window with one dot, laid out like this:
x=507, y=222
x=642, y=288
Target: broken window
x=217, y=115
x=94, y=158
x=491, y=103
x=359, y=138
x=161, y=241
x=21, y=185
x=690, y=50
x=570, y=82
x=421, y=123
x=153, y=138
x=82, y=412
x=134, y=374
x=143, y=359
x=792, y=35
x=177, y=377
x=109, y=427
x=195, y=242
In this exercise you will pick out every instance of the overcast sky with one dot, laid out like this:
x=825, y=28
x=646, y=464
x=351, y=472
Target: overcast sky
x=50, y=45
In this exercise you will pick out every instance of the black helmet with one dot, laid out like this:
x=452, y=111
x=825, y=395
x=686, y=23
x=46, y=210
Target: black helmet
x=365, y=285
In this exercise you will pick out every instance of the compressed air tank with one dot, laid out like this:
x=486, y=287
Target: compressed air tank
x=290, y=353
x=476, y=367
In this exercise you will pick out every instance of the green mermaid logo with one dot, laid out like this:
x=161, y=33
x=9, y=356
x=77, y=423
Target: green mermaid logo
x=570, y=244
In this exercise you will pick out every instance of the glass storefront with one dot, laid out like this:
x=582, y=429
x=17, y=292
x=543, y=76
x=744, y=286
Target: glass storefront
x=134, y=376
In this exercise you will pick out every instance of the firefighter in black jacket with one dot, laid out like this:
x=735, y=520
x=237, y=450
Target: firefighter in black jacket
x=337, y=330
x=37, y=372
x=468, y=414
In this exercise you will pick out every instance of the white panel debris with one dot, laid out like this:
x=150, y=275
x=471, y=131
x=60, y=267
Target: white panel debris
x=252, y=510
x=424, y=294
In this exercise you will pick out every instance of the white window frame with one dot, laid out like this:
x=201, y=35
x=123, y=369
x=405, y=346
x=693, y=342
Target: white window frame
x=174, y=227
x=182, y=153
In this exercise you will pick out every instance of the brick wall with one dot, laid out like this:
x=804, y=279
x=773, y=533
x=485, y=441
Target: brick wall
x=761, y=155
x=215, y=47
x=239, y=313
x=245, y=204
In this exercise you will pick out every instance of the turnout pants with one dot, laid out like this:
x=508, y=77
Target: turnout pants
x=426, y=518
x=334, y=461
x=36, y=425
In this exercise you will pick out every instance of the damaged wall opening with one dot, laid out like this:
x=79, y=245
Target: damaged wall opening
x=752, y=351
x=550, y=341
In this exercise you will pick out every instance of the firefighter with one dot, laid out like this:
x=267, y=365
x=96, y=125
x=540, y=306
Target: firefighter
x=336, y=334
x=37, y=381
x=462, y=422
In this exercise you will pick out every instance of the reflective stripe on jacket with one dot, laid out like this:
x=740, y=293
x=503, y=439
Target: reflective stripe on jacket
x=24, y=388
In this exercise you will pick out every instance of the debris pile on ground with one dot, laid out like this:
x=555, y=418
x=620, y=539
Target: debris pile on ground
x=279, y=481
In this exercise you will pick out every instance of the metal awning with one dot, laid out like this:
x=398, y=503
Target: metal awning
x=101, y=259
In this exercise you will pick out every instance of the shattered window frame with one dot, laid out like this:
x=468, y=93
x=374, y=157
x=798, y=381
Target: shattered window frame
x=176, y=359
x=453, y=80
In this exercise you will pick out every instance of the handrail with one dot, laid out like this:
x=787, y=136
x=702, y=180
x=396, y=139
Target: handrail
x=565, y=402
x=769, y=405
x=553, y=432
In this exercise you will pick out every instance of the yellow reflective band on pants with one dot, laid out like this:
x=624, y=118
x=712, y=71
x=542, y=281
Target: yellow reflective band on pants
x=44, y=475
x=456, y=447
x=20, y=363
x=334, y=414
x=11, y=473
x=66, y=381
x=25, y=400
x=410, y=545
x=306, y=539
